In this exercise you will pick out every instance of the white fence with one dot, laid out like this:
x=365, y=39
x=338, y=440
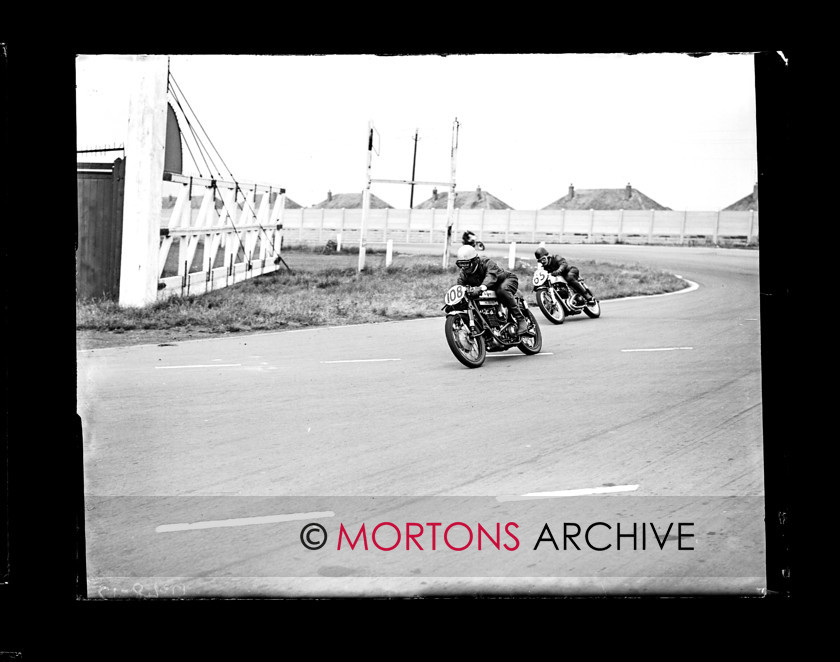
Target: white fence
x=218, y=244
x=221, y=244
x=312, y=226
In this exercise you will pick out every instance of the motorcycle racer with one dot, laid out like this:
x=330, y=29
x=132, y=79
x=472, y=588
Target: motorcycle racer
x=469, y=239
x=482, y=273
x=555, y=264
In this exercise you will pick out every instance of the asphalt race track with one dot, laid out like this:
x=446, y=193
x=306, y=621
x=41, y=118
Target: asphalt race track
x=206, y=460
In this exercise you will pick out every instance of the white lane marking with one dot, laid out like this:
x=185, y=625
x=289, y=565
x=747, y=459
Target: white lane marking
x=351, y=326
x=691, y=287
x=209, y=365
x=656, y=349
x=241, y=521
x=570, y=493
x=361, y=360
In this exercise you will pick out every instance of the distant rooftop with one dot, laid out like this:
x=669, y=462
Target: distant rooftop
x=605, y=198
x=746, y=203
x=350, y=201
x=476, y=199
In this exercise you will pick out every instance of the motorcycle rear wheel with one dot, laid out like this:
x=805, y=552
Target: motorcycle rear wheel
x=550, y=307
x=468, y=350
x=531, y=344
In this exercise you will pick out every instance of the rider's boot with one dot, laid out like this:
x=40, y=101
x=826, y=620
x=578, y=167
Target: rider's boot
x=521, y=322
x=584, y=293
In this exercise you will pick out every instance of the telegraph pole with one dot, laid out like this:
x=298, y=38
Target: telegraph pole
x=365, y=199
x=413, y=165
x=450, y=203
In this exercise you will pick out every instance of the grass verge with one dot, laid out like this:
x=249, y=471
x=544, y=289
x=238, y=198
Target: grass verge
x=326, y=290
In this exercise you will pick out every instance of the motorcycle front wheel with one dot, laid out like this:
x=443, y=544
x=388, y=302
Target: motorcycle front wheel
x=479, y=246
x=550, y=306
x=593, y=309
x=531, y=344
x=468, y=350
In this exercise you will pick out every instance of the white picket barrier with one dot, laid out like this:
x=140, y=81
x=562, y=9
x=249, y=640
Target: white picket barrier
x=312, y=226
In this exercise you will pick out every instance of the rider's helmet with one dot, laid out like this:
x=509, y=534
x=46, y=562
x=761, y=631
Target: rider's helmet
x=542, y=255
x=467, y=259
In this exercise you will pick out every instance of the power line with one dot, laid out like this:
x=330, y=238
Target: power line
x=203, y=150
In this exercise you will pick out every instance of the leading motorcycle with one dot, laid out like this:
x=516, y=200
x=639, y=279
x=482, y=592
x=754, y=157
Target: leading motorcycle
x=481, y=323
x=556, y=299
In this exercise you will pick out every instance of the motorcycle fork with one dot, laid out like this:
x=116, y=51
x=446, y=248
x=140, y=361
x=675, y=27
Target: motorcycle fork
x=555, y=294
x=474, y=331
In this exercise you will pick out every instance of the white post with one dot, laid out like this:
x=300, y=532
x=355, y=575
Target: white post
x=682, y=229
x=512, y=255
x=650, y=230
x=362, y=245
x=144, y=148
x=338, y=242
x=591, y=223
x=752, y=227
x=717, y=228
x=620, y=224
x=389, y=252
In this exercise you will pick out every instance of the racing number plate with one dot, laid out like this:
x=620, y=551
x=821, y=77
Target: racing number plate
x=454, y=295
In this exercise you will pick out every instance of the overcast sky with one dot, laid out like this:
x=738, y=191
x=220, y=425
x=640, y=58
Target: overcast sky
x=680, y=129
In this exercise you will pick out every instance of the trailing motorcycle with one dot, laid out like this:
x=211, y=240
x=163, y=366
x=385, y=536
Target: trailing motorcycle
x=481, y=323
x=557, y=299
x=469, y=239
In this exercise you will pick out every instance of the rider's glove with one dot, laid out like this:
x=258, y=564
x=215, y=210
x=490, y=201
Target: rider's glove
x=474, y=291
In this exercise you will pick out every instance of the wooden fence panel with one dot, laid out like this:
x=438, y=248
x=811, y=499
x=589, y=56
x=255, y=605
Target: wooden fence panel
x=605, y=221
x=635, y=222
x=701, y=223
x=100, y=193
x=668, y=223
x=734, y=223
x=578, y=221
